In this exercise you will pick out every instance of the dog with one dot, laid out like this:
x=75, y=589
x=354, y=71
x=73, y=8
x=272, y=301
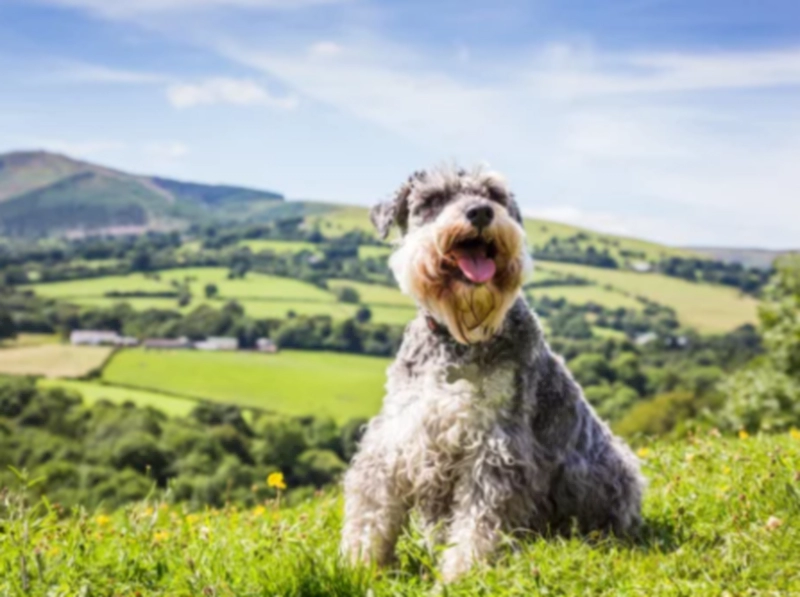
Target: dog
x=483, y=429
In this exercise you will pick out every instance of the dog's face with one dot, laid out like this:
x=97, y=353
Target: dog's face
x=463, y=254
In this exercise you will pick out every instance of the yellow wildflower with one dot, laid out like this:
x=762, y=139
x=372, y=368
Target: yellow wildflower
x=743, y=434
x=276, y=480
x=795, y=433
x=148, y=511
x=54, y=551
x=259, y=511
x=642, y=452
x=726, y=470
x=102, y=520
x=192, y=518
x=160, y=536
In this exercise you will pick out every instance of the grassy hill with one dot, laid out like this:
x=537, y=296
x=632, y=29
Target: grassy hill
x=44, y=194
x=721, y=518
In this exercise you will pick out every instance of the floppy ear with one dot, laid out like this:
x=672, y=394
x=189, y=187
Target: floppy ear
x=388, y=213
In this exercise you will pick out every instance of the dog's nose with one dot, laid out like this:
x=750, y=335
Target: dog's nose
x=480, y=216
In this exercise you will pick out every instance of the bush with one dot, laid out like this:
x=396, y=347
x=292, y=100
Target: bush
x=318, y=467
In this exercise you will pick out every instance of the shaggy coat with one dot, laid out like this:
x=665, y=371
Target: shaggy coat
x=483, y=438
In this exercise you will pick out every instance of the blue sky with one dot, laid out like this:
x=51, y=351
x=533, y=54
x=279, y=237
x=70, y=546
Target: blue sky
x=677, y=121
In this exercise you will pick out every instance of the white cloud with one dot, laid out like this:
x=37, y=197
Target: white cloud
x=165, y=150
x=635, y=144
x=325, y=49
x=221, y=90
x=575, y=74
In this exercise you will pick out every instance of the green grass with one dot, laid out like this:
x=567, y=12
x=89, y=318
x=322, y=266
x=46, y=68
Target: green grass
x=581, y=295
x=291, y=382
x=706, y=307
x=721, y=517
x=92, y=392
x=367, y=251
x=279, y=246
x=375, y=294
x=52, y=360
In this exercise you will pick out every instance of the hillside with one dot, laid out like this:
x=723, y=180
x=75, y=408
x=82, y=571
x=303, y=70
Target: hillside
x=720, y=518
x=44, y=194
x=763, y=258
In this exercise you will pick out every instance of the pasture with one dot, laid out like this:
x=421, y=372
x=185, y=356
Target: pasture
x=705, y=307
x=291, y=382
x=52, y=360
x=93, y=392
x=720, y=518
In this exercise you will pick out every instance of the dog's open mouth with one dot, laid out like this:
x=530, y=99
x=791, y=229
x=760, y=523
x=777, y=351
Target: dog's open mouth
x=475, y=259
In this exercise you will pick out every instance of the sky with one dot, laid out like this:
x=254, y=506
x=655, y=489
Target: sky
x=676, y=121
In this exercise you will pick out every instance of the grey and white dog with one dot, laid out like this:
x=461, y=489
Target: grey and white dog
x=483, y=430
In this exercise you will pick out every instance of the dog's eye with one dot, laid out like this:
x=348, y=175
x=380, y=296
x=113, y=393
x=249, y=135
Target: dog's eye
x=497, y=195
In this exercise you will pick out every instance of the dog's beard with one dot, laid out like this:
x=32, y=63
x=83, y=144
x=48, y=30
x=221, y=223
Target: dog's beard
x=427, y=268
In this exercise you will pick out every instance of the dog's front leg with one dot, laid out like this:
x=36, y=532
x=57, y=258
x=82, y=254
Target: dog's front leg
x=474, y=529
x=374, y=511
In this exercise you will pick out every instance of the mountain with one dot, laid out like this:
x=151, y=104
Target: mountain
x=45, y=194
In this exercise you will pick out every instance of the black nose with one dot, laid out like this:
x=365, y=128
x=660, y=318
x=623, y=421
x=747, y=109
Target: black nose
x=480, y=216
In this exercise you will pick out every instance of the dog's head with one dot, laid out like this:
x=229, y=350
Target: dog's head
x=463, y=253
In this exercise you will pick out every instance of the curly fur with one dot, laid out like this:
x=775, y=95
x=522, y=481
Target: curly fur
x=482, y=437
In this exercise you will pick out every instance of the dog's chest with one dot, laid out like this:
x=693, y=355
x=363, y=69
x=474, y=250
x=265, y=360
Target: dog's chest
x=446, y=413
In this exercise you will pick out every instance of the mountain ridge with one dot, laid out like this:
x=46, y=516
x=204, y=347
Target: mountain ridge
x=48, y=194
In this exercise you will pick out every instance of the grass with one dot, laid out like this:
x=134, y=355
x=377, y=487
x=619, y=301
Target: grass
x=53, y=360
x=720, y=518
x=375, y=294
x=280, y=246
x=291, y=382
x=22, y=340
x=93, y=392
x=581, y=295
x=261, y=295
x=705, y=307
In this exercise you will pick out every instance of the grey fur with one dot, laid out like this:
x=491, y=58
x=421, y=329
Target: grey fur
x=484, y=439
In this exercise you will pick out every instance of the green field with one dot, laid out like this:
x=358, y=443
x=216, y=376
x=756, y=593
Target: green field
x=261, y=295
x=375, y=294
x=720, y=518
x=52, y=360
x=92, y=392
x=279, y=246
x=581, y=295
x=291, y=382
x=706, y=307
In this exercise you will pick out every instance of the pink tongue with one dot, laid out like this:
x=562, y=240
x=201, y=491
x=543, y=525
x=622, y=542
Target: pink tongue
x=476, y=268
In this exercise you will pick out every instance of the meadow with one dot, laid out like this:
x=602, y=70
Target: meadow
x=705, y=307
x=52, y=360
x=261, y=295
x=342, y=386
x=721, y=517
x=93, y=392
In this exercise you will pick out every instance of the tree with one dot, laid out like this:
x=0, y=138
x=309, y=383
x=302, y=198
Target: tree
x=7, y=327
x=211, y=290
x=347, y=294
x=766, y=394
x=363, y=315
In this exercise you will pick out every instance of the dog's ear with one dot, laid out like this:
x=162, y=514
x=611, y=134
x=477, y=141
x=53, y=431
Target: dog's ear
x=513, y=209
x=394, y=212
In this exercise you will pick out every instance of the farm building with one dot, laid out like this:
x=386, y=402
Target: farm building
x=167, y=343
x=218, y=343
x=100, y=338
